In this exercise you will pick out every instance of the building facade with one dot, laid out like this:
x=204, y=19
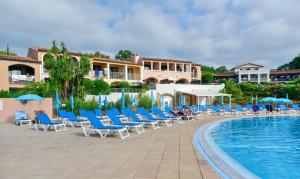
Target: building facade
x=19, y=71
x=256, y=73
x=165, y=71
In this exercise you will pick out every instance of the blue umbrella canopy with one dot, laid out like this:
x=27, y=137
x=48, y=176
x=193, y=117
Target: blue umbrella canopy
x=283, y=100
x=123, y=98
x=269, y=100
x=72, y=104
x=105, y=101
x=57, y=101
x=29, y=97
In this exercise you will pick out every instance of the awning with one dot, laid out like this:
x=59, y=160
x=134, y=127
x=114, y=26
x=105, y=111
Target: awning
x=203, y=93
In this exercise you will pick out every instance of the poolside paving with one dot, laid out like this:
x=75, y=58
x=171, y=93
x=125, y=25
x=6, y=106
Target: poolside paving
x=167, y=152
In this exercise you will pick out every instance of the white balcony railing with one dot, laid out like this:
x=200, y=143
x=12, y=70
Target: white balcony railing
x=194, y=75
x=117, y=75
x=132, y=76
x=21, y=79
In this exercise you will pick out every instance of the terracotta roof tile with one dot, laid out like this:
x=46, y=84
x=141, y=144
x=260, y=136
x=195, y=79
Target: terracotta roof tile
x=18, y=58
x=284, y=72
x=95, y=59
x=165, y=60
x=246, y=64
x=228, y=74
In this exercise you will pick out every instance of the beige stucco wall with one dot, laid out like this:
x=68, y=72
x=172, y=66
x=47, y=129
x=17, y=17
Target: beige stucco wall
x=199, y=73
x=10, y=105
x=161, y=75
x=4, y=81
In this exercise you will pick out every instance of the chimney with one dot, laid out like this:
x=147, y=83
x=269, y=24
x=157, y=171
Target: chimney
x=136, y=59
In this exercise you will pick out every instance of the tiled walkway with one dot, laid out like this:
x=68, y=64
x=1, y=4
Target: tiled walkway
x=162, y=153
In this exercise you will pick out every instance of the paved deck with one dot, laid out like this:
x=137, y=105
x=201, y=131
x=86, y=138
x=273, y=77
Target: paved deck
x=162, y=153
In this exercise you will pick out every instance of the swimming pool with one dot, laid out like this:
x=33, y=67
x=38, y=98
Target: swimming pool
x=267, y=147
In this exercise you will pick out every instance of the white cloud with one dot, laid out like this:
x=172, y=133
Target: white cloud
x=206, y=32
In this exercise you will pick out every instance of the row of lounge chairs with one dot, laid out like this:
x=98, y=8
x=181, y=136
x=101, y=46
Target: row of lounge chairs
x=247, y=109
x=93, y=122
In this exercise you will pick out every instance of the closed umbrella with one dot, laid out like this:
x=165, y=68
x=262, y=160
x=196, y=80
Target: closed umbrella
x=100, y=103
x=287, y=95
x=57, y=101
x=230, y=101
x=132, y=101
x=72, y=104
x=222, y=99
x=123, y=98
x=152, y=100
x=256, y=100
x=181, y=100
x=105, y=101
x=161, y=101
x=251, y=99
x=29, y=97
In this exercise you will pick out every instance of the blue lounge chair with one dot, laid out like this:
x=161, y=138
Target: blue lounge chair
x=98, y=112
x=170, y=113
x=249, y=107
x=112, y=114
x=72, y=120
x=46, y=123
x=159, y=113
x=129, y=113
x=228, y=110
x=239, y=110
x=216, y=110
x=283, y=109
x=149, y=116
x=103, y=130
x=21, y=118
x=295, y=108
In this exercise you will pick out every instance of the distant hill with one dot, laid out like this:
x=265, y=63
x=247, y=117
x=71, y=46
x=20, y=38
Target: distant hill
x=294, y=64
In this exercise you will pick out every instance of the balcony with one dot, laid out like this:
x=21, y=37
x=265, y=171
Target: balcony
x=21, y=74
x=132, y=76
x=117, y=75
x=21, y=79
x=194, y=75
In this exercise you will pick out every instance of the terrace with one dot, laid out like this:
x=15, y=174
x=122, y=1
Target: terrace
x=20, y=74
x=164, y=153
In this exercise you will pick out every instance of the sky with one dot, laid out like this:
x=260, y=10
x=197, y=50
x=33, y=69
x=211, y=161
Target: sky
x=208, y=32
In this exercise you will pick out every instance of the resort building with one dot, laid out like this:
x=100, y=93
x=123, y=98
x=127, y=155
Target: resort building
x=16, y=71
x=22, y=70
x=256, y=73
x=165, y=71
x=110, y=70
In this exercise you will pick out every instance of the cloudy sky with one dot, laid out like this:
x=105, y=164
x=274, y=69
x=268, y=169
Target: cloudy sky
x=210, y=32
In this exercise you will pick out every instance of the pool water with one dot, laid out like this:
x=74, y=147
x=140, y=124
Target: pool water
x=269, y=147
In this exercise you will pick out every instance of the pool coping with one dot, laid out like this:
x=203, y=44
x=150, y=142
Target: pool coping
x=219, y=160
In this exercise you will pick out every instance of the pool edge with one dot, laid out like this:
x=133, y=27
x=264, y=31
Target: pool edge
x=214, y=156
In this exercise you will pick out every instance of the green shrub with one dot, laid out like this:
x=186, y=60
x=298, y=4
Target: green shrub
x=5, y=94
x=118, y=104
x=144, y=101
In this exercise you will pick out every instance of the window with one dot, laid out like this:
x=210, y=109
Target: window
x=147, y=65
x=113, y=69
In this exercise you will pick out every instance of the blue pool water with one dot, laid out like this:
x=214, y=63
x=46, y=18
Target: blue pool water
x=269, y=147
